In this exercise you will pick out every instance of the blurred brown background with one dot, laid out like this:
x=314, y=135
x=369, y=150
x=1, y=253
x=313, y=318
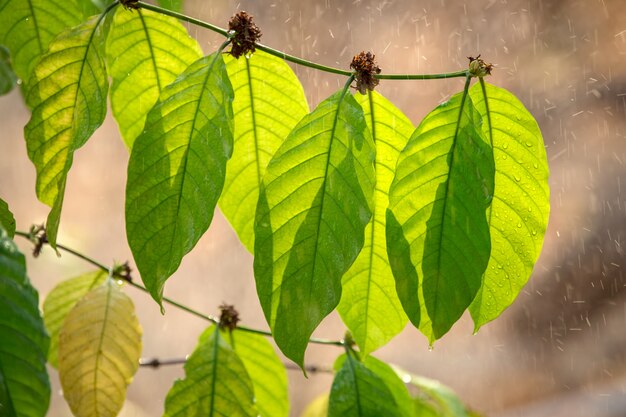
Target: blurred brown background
x=560, y=350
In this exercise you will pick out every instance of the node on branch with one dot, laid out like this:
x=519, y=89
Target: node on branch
x=130, y=4
x=364, y=65
x=478, y=67
x=245, y=34
x=229, y=317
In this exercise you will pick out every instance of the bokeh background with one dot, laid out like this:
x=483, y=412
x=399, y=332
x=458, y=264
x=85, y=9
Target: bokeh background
x=560, y=350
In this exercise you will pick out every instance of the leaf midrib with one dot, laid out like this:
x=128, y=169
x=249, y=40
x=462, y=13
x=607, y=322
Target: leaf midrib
x=254, y=125
x=214, y=358
x=99, y=353
x=149, y=42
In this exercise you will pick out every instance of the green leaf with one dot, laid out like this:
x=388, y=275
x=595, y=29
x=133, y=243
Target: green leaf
x=68, y=101
x=437, y=230
x=369, y=303
x=266, y=371
x=359, y=392
x=99, y=350
x=145, y=52
x=216, y=382
x=24, y=384
x=317, y=408
x=176, y=5
x=7, y=221
x=269, y=102
x=60, y=302
x=521, y=201
x=313, y=207
x=433, y=397
x=28, y=26
x=396, y=386
x=8, y=79
x=176, y=170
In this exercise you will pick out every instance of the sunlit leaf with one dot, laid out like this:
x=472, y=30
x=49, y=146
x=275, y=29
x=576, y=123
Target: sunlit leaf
x=99, y=350
x=315, y=201
x=266, y=371
x=7, y=76
x=7, y=221
x=359, y=392
x=269, y=101
x=396, y=386
x=521, y=201
x=176, y=170
x=60, y=302
x=317, y=408
x=369, y=303
x=24, y=385
x=437, y=230
x=28, y=26
x=216, y=382
x=145, y=52
x=68, y=101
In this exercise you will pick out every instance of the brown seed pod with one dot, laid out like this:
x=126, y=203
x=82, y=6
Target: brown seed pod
x=229, y=317
x=246, y=34
x=364, y=65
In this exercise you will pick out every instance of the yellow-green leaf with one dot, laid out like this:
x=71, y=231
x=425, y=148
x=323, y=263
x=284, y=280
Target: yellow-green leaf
x=60, y=302
x=317, y=408
x=99, y=350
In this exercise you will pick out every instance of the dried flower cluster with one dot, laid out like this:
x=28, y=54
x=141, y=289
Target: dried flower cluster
x=364, y=64
x=246, y=34
x=229, y=317
x=478, y=67
x=130, y=4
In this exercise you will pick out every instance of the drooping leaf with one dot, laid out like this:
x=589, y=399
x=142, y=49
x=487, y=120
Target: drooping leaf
x=518, y=216
x=176, y=170
x=99, y=350
x=145, y=52
x=266, y=371
x=68, y=101
x=315, y=201
x=28, y=26
x=317, y=408
x=176, y=5
x=8, y=79
x=437, y=231
x=60, y=302
x=392, y=381
x=24, y=384
x=359, y=392
x=269, y=101
x=369, y=303
x=216, y=382
x=7, y=221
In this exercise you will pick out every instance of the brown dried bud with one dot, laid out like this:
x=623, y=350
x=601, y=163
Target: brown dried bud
x=364, y=64
x=38, y=236
x=130, y=4
x=245, y=34
x=123, y=271
x=478, y=67
x=229, y=317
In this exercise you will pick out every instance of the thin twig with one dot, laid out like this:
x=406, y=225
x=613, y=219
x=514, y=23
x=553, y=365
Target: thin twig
x=156, y=363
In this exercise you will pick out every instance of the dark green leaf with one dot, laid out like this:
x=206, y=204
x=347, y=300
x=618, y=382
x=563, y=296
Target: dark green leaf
x=521, y=201
x=269, y=101
x=369, y=303
x=216, y=382
x=359, y=392
x=60, y=302
x=24, y=385
x=145, y=52
x=7, y=221
x=176, y=170
x=437, y=230
x=315, y=201
x=396, y=386
x=266, y=371
x=68, y=99
x=8, y=78
x=28, y=26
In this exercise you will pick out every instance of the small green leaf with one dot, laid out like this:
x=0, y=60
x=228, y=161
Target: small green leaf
x=28, y=26
x=216, y=382
x=359, y=392
x=99, y=350
x=521, y=201
x=24, y=384
x=269, y=102
x=176, y=170
x=145, y=52
x=396, y=386
x=315, y=201
x=68, y=101
x=8, y=79
x=60, y=302
x=433, y=397
x=317, y=408
x=7, y=221
x=176, y=5
x=437, y=231
x=369, y=303
x=266, y=371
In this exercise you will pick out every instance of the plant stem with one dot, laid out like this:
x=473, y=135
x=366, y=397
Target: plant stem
x=167, y=300
x=295, y=59
x=157, y=363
